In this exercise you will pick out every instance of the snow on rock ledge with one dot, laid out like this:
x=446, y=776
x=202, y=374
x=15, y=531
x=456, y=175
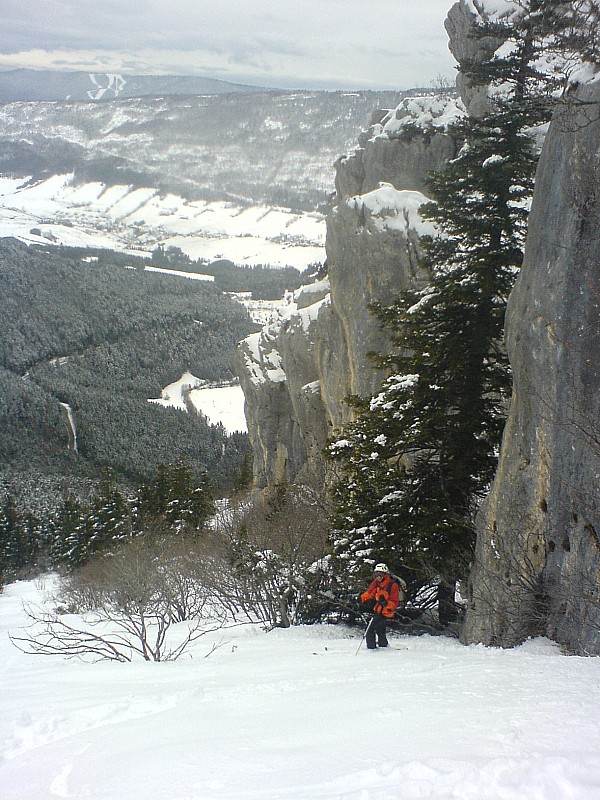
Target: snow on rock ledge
x=280, y=379
x=425, y=112
x=297, y=373
x=401, y=146
x=394, y=210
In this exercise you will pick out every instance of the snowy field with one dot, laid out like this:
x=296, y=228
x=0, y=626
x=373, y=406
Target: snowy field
x=122, y=218
x=298, y=714
x=219, y=404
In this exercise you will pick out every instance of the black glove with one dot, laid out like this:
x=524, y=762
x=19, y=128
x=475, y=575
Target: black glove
x=369, y=605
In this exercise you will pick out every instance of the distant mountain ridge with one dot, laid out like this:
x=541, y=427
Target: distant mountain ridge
x=272, y=147
x=54, y=86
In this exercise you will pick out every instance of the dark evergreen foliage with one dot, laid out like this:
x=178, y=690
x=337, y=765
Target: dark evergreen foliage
x=175, y=501
x=262, y=281
x=176, y=497
x=88, y=331
x=421, y=452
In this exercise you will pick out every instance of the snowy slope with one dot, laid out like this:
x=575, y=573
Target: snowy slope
x=299, y=715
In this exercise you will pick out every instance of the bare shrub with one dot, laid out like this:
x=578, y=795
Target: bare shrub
x=129, y=601
x=271, y=558
x=514, y=594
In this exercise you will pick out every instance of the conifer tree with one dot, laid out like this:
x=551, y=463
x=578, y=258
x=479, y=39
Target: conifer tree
x=178, y=498
x=421, y=453
x=9, y=537
x=110, y=517
x=74, y=534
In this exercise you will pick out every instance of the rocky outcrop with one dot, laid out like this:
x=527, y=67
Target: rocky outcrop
x=537, y=562
x=467, y=48
x=537, y=566
x=401, y=147
x=279, y=377
x=297, y=372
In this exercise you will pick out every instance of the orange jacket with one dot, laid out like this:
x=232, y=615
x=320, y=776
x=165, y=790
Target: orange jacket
x=386, y=594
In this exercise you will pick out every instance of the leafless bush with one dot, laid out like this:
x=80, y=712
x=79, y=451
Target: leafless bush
x=129, y=601
x=506, y=586
x=272, y=557
x=150, y=566
x=515, y=594
x=263, y=562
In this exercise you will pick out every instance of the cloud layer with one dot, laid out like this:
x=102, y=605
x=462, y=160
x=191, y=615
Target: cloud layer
x=280, y=43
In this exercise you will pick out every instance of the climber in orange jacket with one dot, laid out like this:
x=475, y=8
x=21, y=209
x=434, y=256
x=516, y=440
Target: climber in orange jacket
x=382, y=598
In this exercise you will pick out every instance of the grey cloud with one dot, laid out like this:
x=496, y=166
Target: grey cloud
x=296, y=40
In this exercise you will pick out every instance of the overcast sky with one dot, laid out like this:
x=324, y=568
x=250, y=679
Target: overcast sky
x=309, y=44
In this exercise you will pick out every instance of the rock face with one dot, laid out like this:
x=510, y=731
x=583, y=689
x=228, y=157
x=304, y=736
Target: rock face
x=283, y=405
x=297, y=373
x=464, y=47
x=537, y=567
x=537, y=561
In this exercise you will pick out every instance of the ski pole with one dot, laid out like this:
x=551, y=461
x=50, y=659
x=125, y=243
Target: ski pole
x=364, y=635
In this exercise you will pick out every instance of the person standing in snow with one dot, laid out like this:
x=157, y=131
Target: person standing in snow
x=382, y=598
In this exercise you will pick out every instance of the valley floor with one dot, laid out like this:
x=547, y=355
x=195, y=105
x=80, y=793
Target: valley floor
x=298, y=714
x=136, y=220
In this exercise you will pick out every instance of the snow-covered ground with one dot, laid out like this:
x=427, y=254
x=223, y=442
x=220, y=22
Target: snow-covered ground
x=219, y=404
x=123, y=218
x=298, y=714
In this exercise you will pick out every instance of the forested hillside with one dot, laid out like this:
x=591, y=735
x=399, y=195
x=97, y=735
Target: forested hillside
x=102, y=336
x=260, y=147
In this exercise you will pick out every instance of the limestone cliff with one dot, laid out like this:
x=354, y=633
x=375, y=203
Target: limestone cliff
x=468, y=48
x=297, y=372
x=537, y=562
x=537, y=567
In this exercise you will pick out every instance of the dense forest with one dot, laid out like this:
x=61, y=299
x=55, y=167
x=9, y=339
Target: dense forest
x=262, y=281
x=102, y=336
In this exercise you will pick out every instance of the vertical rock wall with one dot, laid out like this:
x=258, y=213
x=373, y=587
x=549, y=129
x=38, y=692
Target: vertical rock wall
x=537, y=567
x=297, y=373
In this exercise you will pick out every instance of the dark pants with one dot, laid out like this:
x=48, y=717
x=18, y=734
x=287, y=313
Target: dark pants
x=377, y=631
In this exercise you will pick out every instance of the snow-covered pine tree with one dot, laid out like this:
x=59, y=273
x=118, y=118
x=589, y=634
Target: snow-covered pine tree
x=10, y=536
x=73, y=533
x=110, y=517
x=421, y=452
x=183, y=501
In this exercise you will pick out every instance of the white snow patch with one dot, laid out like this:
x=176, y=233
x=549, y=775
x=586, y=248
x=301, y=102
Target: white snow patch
x=175, y=393
x=425, y=111
x=393, y=209
x=192, y=276
x=263, y=360
x=222, y=405
x=126, y=218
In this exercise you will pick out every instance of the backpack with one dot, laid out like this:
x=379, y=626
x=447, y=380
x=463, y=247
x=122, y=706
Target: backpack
x=402, y=589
